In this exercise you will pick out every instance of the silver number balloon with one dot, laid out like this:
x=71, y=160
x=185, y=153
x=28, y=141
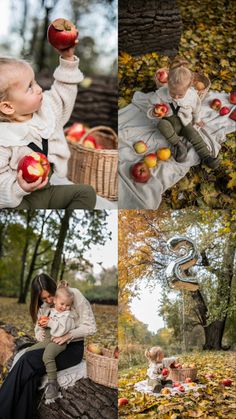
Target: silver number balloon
x=187, y=256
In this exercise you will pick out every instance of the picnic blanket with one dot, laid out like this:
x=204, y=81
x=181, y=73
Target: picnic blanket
x=143, y=387
x=134, y=125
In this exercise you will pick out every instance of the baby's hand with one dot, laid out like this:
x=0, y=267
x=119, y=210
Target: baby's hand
x=30, y=187
x=200, y=124
x=43, y=321
x=68, y=53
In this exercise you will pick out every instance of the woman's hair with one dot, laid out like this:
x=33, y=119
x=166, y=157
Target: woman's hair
x=154, y=354
x=179, y=73
x=40, y=282
x=7, y=64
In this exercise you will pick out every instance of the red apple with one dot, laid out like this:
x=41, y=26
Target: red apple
x=160, y=110
x=165, y=372
x=34, y=166
x=140, y=147
x=181, y=388
x=62, y=34
x=122, y=401
x=76, y=130
x=71, y=138
x=150, y=160
x=224, y=111
x=162, y=76
x=232, y=97
x=177, y=384
x=89, y=142
x=140, y=172
x=188, y=380
x=227, y=382
x=99, y=147
x=216, y=104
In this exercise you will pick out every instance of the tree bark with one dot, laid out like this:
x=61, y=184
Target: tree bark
x=56, y=263
x=85, y=400
x=150, y=26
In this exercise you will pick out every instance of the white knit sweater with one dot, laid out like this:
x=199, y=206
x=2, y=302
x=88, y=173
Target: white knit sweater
x=190, y=105
x=85, y=324
x=47, y=122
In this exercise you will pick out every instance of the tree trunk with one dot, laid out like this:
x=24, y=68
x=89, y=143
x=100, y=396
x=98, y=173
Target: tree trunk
x=150, y=26
x=213, y=335
x=85, y=400
x=25, y=252
x=56, y=263
x=41, y=55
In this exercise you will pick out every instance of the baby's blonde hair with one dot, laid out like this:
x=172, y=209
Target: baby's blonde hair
x=155, y=354
x=6, y=63
x=179, y=73
x=62, y=289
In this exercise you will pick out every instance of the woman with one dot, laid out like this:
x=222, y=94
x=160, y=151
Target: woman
x=17, y=393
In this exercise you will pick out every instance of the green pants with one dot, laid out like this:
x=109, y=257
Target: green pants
x=60, y=197
x=50, y=353
x=171, y=127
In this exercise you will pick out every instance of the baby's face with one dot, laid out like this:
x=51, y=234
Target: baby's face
x=62, y=303
x=178, y=92
x=25, y=95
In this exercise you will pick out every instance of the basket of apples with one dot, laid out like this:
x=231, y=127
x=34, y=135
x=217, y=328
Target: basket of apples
x=183, y=372
x=94, y=158
x=102, y=365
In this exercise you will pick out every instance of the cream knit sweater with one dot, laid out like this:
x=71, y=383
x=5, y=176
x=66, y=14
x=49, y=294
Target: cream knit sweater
x=190, y=105
x=47, y=122
x=85, y=324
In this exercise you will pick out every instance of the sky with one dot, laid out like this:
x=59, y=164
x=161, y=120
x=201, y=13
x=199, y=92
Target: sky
x=146, y=307
x=107, y=254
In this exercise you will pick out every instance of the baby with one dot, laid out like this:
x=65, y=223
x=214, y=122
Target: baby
x=60, y=320
x=184, y=110
x=31, y=119
x=157, y=363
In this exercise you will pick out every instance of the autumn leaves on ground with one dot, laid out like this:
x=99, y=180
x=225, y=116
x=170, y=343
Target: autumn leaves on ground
x=211, y=402
x=207, y=42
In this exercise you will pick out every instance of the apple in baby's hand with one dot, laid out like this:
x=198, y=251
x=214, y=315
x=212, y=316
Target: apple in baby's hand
x=216, y=104
x=34, y=166
x=140, y=147
x=140, y=172
x=163, y=153
x=160, y=110
x=89, y=142
x=232, y=97
x=224, y=111
x=94, y=348
x=42, y=319
x=227, y=382
x=165, y=372
x=62, y=34
x=122, y=401
x=150, y=160
x=162, y=76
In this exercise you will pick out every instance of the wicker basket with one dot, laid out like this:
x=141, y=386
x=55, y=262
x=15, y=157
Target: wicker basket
x=103, y=369
x=96, y=167
x=180, y=374
x=204, y=79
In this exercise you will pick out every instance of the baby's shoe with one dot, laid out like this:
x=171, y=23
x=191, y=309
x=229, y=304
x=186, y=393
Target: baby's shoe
x=157, y=388
x=212, y=162
x=180, y=152
x=52, y=391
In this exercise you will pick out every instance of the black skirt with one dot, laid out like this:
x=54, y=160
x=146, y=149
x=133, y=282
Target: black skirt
x=18, y=392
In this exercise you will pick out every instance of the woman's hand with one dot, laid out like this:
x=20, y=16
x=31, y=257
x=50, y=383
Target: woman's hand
x=68, y=53
x=31, y=187
x=62, y=339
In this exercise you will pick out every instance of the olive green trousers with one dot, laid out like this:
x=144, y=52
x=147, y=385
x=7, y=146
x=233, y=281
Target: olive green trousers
x=60, y=197
x=171, y=127
x=50, y=353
